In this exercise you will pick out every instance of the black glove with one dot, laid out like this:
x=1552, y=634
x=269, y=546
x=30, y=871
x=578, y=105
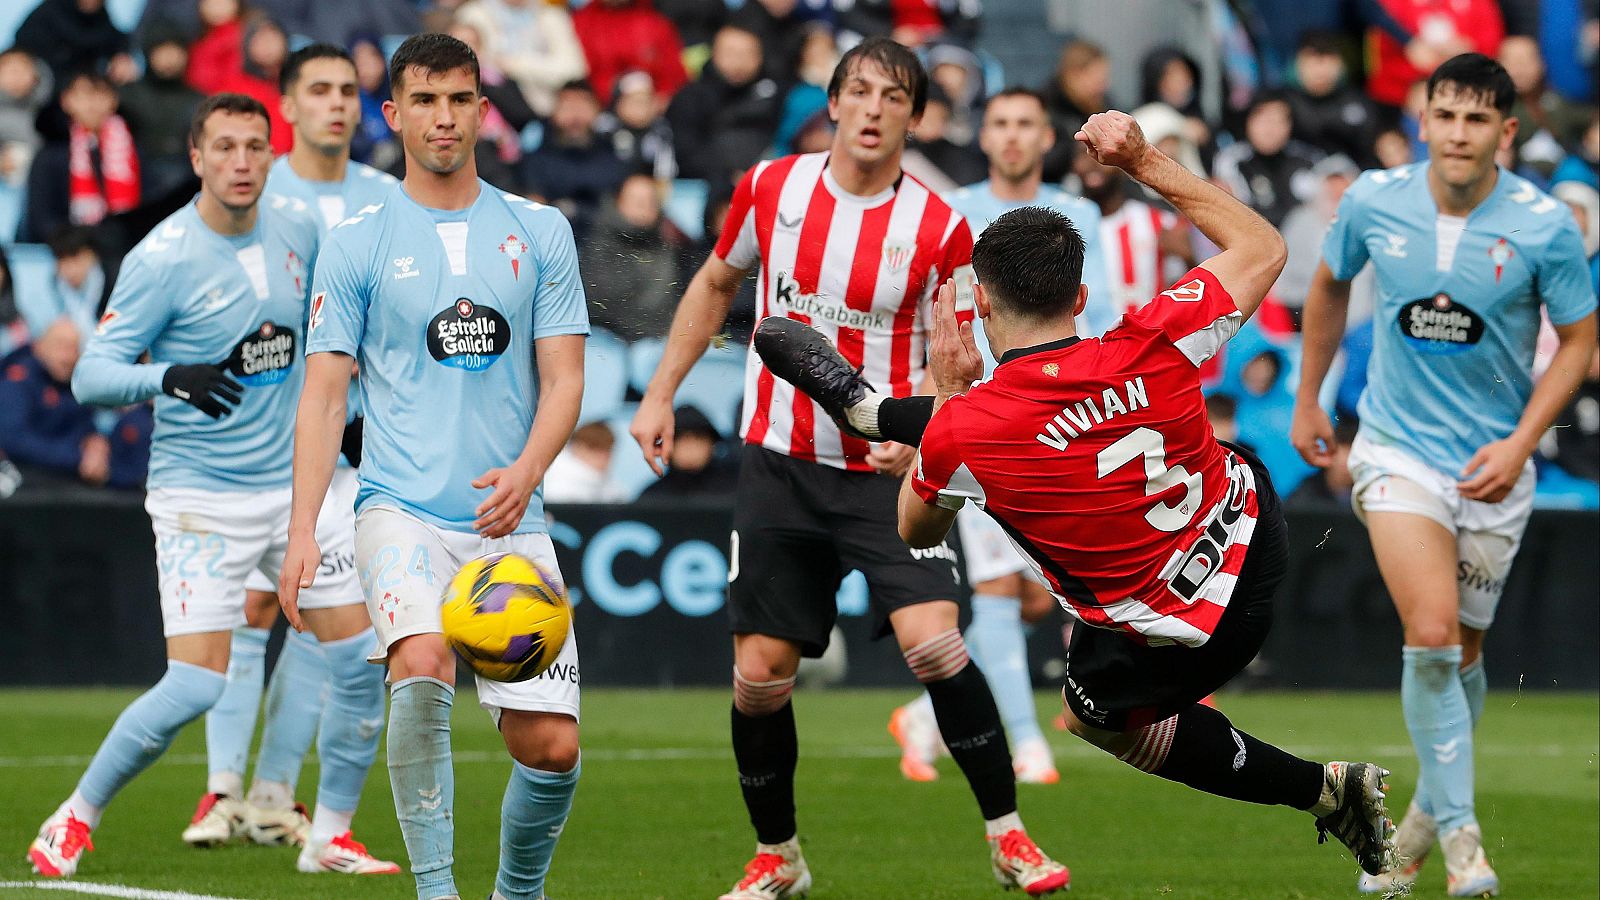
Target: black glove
x=350, y=445
x=204, y=387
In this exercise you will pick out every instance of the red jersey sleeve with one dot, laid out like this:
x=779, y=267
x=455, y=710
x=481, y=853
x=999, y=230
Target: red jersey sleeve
x=957, y=264
x=1196, y=315
x=738, y=245
x=941, y=477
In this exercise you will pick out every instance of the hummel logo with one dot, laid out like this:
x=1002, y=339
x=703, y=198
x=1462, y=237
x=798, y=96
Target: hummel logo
x=787, y=225
x=430, y=799
x=1447, y=752
x=404, y=264
x=1396, y=247
x=214, y=300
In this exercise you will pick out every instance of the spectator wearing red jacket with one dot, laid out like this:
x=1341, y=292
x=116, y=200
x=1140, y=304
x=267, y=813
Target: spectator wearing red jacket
x=619, y=35
x=219, y=53
x=265, y=49
x=1438, y=30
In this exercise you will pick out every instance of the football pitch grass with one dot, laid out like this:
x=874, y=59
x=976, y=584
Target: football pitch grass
x=658, y=811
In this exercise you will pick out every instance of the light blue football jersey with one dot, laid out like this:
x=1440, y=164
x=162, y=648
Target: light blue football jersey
x=441, y=309
x=1453, y=332
x=979, y=206
x=191, y=295
x=332, y=202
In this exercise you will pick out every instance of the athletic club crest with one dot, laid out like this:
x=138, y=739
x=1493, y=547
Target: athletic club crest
x=513, y=247
x=897, y=256
x=1501, y=253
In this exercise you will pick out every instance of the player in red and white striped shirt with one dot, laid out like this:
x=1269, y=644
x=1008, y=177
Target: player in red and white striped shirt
x=1096, y=457
x=849, y=244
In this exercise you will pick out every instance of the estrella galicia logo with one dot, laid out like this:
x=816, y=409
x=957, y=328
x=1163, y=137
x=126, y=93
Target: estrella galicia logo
x=1440, y=325
x=264, y=357
x=468, y=336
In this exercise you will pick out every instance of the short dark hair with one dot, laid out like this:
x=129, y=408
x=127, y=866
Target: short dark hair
x=1319, y=40
x=70, y=240
x=433, y=52
x=238, y=104
x=95, y=79
x=1030, y=262
x=901, y=64
x=579, y=86
x=298, y=59
x=1475, y=75
x=1222, y=406
x=1017, y=90
x=1266, y=96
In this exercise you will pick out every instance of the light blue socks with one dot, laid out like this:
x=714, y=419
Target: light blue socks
x=231, y=723
x=146, y=728
x=531, y=817
x=996, y=640
x=1439, y=718
x=351, y=721
x=295, y=699
x=1476, y=685
x=424, y=783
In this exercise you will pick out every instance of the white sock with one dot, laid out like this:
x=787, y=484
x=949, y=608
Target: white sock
x=228, y=784
x=1008, y=822
x=271, y=795
x=328, y=824
x=864, y=415
x=789, y=849
x=80, y=809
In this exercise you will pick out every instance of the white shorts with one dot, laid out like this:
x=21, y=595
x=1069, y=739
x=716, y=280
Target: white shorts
x=987, y=549
x=209, y=543
x=1488, y=535
x=405, y=565
x=336, y=536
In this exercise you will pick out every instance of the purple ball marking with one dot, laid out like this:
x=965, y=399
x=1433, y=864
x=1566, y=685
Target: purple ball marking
x=523, y=647
x=494, y=599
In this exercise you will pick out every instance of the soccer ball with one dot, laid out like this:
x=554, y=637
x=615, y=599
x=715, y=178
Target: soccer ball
x=506, y=617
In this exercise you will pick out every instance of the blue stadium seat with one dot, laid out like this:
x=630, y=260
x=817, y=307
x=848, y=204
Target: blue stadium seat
x=628, y=471
x=33, y=270
x=686, y=206
x=605, y=376
x=715, y=385
x=11, y=200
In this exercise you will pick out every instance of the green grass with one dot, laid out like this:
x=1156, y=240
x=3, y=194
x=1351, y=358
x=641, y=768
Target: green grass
x=658, y=811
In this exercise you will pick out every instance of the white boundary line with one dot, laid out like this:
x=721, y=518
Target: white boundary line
x=1074, y=750
x=108, y=890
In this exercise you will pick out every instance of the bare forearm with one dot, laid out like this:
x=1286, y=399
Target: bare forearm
x=699, y=317
x=559, y=402
x=1322, y=329
x=318, y=431
x=1227, y=222
x=1555, y=388
x=922, y=525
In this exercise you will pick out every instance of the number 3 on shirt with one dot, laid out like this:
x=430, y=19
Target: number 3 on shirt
x=1148, y=443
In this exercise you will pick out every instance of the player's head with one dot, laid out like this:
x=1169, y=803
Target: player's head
x=230, y=147
x=1029, y=264
x=437, y=103
x=320, y=98
x=1468, y=118
x=1016, y=134
x=876, y=97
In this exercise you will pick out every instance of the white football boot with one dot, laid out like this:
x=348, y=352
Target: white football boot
x=1019, y=863
x=218, y=819
x=777, y=872
x=1034, y=763
x=277, y=827
x=1466, y=868
x=61, y=843
x=917, y=732
x=346, y=855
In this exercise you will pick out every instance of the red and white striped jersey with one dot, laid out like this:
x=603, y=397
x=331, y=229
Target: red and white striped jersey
x=1097, y=459
x=1135, y=264
x=862, y=270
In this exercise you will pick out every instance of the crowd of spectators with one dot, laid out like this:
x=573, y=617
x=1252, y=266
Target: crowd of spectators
x=637, y=117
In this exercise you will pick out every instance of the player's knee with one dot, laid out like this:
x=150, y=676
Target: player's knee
x=545, y=742
x=1432, y=634
x=421, y=656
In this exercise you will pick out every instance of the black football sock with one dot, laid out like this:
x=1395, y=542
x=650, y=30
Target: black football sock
x=766, y=750
x=1209, y=754
x=970, y=723
x=904, y=419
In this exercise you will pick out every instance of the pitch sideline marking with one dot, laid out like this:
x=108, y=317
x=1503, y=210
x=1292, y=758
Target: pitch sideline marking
x=109, y=890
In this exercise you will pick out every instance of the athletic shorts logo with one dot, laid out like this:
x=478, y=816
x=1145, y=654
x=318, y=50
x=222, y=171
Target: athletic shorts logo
x=264, y=357
x=468, y=336
x=1440, y=325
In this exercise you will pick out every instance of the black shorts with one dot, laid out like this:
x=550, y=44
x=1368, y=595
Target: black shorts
x=799, y=528
x=1116, y=683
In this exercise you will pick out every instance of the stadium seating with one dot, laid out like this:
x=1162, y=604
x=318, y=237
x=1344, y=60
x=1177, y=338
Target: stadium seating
x=605, y=376
x=628, y=471
x=715, y=385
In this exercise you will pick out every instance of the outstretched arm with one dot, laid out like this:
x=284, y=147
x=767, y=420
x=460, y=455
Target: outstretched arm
x=1253, y=253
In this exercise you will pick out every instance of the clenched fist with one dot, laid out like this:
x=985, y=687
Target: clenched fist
x=1113, y=138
